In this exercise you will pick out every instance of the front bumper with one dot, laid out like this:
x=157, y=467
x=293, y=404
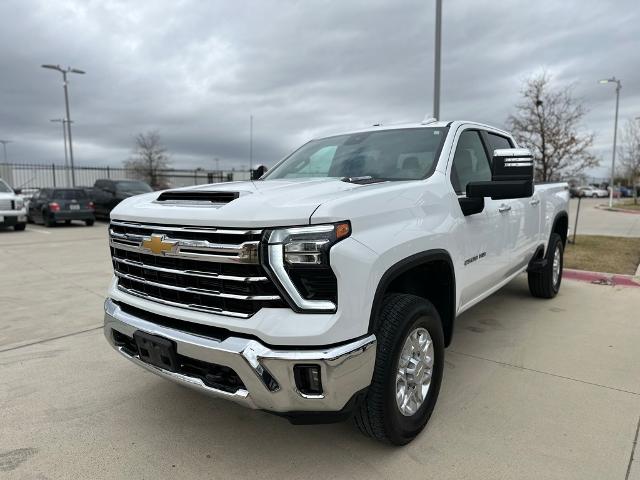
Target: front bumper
x=12, y=217
x=345, y=369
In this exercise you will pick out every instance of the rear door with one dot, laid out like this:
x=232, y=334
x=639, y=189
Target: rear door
x=523, y=218
x=481, y=237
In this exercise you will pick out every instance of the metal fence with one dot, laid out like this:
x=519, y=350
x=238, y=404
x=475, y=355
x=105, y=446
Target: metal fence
x=21, y=175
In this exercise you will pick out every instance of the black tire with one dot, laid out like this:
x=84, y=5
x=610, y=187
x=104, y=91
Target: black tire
x=595, y=195
x=541, y=282
x=47, y=220
x=378, y=416
x=19, y=227
x=67, y=222
x=89, y=223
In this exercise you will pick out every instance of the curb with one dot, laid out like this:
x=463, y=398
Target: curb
x=615, y=209
x=602, y=278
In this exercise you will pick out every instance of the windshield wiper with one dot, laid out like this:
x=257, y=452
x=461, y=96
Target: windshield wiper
x=364, y=180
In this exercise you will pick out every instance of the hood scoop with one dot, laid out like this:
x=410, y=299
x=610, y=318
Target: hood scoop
x=195, y=197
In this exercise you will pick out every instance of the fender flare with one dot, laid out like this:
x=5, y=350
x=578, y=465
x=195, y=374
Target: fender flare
x=404, y=265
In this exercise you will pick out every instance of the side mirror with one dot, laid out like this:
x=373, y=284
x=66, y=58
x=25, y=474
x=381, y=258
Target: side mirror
x=17, y=191
x=511, y=176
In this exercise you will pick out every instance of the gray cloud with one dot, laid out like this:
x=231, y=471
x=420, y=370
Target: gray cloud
x=197, y=70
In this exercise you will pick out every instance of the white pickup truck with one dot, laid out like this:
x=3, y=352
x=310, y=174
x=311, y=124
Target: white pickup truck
x=12, y=209
x=329, y=287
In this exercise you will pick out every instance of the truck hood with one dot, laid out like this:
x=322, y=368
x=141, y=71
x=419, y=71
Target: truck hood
x=259, y=204
x=8, y=196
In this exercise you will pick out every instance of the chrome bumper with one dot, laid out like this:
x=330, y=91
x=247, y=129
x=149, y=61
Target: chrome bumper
x=345, y=370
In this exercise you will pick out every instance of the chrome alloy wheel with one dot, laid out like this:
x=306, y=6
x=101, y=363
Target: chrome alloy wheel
x=556, y=266
x=415, y=367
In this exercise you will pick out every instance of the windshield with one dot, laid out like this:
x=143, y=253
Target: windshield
x=4, y=188
x=401, y=154
x=68, y=194
x=133, y=186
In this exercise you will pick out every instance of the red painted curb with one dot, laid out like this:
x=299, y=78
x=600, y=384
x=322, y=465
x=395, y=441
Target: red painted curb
x=612, y=279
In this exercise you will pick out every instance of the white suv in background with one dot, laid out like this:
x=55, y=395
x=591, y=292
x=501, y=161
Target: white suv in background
x=12, y=210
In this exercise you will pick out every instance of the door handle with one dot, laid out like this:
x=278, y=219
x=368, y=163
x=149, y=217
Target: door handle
x=504, y=208
x=534, y=202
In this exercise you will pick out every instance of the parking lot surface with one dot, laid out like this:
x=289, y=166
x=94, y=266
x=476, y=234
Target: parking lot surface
x=532, y=389
x=596, y=221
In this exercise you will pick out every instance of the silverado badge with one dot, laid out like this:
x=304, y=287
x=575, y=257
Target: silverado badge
x=158, y=244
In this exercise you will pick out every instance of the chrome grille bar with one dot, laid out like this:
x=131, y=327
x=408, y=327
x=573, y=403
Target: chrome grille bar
x=170, y=228
x=199, y=291
x=191, y=273
x=199, y=308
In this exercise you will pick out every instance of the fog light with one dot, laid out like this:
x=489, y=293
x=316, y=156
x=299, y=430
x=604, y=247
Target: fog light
x=307, y=379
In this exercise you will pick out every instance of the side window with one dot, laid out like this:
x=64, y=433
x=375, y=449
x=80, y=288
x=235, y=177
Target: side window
x=470, y=162
x=497, y=141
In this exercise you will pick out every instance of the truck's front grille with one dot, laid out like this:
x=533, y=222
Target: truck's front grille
x=199, y=268
x=6, y=204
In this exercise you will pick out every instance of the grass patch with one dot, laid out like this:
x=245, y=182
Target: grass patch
x=599, y=253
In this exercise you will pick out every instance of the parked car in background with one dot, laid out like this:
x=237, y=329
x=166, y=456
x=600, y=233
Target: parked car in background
x=51, y=205
x=626, y=192
x=27, y=194
x=109, y=193
x=593, y=192
x=574, y=191
x=12, y=211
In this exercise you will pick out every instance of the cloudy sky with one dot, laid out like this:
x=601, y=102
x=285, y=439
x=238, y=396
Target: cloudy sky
x=196, y=70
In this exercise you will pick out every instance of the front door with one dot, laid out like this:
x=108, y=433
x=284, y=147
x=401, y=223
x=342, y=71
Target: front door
x=482, y=237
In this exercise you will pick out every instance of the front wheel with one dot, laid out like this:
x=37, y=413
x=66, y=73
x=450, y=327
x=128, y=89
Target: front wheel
x=19, y=226
x=545, y=282
x=408, y=370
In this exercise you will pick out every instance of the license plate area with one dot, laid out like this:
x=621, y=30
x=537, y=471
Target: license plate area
x=74, y=207
x=157, y=351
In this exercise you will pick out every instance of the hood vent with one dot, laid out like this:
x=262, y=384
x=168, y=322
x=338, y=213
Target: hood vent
x=194, y=197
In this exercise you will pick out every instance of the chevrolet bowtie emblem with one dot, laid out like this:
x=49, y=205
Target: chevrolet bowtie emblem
x=158, y=244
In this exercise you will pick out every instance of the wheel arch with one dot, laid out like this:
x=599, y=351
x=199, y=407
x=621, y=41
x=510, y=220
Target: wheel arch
x=430, y=275
x=561, y=226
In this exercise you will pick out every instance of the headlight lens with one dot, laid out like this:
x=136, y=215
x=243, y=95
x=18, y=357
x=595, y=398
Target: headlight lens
x=19, y=203
x=298, y=258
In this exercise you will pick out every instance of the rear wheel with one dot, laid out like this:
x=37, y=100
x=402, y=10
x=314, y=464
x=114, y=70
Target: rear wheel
x=595, y=195
x=67, y=222
x=545, y=282
x=408, y=371
x=20, y=226
x=89, y=223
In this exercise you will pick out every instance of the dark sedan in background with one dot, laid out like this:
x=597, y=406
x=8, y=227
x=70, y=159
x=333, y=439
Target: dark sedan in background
x=108, y=193
x=51, y=205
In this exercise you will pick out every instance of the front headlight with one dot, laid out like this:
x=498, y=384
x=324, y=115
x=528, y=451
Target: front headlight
x=298, y=259
x=19, y=203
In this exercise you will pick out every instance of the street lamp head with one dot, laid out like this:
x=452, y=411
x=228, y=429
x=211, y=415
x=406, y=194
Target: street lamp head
x=76, y=70
x=52, y=67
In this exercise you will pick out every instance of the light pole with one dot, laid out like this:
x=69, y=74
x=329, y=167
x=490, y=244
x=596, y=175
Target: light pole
x=436, y=69
x=63, y=121
x=615, y=133
x=66, y=103
x=4, y=147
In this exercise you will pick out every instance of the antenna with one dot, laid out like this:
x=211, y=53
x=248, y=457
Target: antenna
x=250, y=144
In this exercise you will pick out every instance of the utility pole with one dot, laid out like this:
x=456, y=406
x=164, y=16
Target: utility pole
x=63, y=121
x=615, y=134
x=436, y=69
x=4, y=147
x=250, y=144
x=64, y=72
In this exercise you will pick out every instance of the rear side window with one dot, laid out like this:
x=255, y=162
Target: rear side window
x=69, y=194
x=497, y=141
x=470, y=162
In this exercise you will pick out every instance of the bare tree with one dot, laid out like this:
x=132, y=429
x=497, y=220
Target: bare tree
x=149, y=158
x=629, y=152
x=547, y=121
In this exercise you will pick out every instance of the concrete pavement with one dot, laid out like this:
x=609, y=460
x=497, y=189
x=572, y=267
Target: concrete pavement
x=532, y=389
x=594, y=221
